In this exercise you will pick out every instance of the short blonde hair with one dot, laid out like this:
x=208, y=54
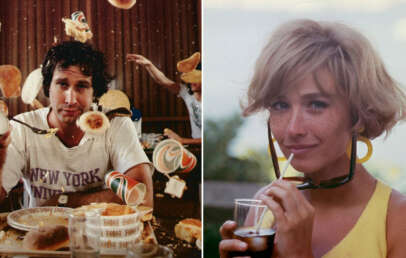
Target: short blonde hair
x=303, y=47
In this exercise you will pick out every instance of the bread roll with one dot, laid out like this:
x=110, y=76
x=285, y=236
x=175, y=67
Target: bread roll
x=189, y=64
x=47, y=238
x=123, y=4
x=189, y=230
x=10, y=81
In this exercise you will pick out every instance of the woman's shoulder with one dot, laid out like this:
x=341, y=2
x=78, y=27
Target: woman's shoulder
x=396, y=224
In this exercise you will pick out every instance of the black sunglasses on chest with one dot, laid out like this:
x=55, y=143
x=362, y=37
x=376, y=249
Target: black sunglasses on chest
x=307, y=183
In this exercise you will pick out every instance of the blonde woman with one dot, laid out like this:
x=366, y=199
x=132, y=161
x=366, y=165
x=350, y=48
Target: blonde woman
x=324, y=87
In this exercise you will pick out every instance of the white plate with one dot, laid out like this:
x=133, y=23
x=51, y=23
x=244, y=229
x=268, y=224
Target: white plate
x=27, y=219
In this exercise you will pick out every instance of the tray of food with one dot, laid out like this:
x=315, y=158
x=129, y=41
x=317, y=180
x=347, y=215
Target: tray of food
x=32, y=218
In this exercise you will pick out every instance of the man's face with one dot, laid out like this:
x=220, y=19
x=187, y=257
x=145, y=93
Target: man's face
x=70, y=93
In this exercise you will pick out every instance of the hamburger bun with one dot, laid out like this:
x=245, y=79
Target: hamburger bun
x=189, y=64
x=10, y=81
x=189, y=230
x=47, y=238
x=123, y=4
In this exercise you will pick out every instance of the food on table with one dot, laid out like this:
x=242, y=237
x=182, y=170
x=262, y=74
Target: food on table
x=129, y=190
x=117, y=210
x=148, y=235
x=47, y=238
x=3, y=107
x=93, y=122
x=116, y=103
x=189, y=64
x=10, y=81
x=32, y=86
x=77, y=27
x=122, y=4
x=146, y=211
x=175, y=187
x=189, y=230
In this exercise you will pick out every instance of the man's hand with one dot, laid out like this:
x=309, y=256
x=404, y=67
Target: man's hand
x=172, y=135
x=157, y=75
x=138, y=59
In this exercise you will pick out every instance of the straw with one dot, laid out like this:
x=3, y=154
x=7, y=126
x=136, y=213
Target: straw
x=286, y=165
x=260, y=220
x=281, y=176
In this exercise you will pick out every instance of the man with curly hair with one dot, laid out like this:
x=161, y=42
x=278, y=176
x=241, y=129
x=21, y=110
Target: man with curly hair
x=72, y=163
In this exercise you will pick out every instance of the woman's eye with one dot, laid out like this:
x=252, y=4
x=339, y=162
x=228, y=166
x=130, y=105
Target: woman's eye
x=316, y=105
x=280, y=105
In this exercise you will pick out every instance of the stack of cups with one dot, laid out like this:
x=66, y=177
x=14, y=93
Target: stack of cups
x=119, y=232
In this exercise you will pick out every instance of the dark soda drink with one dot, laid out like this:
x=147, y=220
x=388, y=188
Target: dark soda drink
x=260, y=244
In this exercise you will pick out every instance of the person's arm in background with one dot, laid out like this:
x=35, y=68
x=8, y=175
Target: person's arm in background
x=157, y=75
x=172, y=135
x=4, y=142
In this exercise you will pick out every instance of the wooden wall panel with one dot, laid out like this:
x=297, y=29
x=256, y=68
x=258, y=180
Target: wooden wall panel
x=165, y=31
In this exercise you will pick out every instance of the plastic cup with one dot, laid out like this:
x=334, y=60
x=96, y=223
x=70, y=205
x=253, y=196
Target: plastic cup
x=149, y=250
x=84, y=234
x=248, y=214
x=129, y=190
x=170, y=156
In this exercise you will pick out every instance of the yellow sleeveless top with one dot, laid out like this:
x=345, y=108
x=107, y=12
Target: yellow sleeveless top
x=368, y=236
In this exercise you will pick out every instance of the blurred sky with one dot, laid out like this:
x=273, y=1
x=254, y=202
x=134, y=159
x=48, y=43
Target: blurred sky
x=234, y=32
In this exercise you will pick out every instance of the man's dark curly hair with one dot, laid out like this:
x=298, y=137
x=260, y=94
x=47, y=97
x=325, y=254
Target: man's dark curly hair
x=68, y=53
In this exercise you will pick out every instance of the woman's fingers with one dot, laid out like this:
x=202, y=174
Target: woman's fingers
x=228, y=244
x=231, y=245
x=227, y=229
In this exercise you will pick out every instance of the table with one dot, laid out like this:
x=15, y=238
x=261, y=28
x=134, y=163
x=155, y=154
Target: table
x=167, y=211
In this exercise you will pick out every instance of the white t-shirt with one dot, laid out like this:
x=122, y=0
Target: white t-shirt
x=195, y=111
x=48, y=167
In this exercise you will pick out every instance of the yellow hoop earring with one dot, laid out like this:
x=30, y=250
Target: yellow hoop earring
x=369, y=146
x=269, y=152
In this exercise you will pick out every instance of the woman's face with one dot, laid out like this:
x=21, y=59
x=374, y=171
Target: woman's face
x=313, y=122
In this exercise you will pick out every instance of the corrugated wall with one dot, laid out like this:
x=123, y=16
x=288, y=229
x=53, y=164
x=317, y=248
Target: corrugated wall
x=165, y=31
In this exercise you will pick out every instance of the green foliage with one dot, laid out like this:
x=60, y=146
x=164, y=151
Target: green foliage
x=213, y=219
x=220, y=165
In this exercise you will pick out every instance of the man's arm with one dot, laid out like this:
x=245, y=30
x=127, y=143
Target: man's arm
x=157, y=75
x=172, y=135
x=140, y=172
x=4, y=142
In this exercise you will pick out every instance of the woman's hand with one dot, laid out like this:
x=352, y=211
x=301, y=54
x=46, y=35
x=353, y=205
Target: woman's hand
x=294, y=217
x=228, y=244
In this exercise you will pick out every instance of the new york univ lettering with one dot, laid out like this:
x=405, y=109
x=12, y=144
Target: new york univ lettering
x=46, y=183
